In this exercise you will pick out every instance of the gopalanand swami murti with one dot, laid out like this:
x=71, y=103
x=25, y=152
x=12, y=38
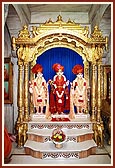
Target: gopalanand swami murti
x=38, y=88
x=79, y=90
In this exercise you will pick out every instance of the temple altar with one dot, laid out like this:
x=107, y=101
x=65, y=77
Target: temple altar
x=84, y=131
x=79, y=134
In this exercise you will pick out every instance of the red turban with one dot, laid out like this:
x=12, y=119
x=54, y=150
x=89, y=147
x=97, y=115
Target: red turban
x=37, y=68
x=56, y=67
x=77, y=69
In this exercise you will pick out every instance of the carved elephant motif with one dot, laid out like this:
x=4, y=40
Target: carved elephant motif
x=21, y=129
x=99, y=134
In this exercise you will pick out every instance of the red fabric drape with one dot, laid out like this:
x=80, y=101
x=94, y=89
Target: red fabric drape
x=52, y=101
x=7, y=143
x=67, y=101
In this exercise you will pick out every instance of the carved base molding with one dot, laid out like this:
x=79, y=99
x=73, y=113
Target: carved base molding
x=79, y=155
x=70, y=125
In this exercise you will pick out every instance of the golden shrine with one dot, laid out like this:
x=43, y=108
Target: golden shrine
x=31, y=44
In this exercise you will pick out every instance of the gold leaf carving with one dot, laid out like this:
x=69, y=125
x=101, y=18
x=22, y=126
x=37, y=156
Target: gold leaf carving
x=24, y=33
x=26, y=53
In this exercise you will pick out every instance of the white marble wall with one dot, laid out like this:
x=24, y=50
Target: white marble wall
x=8, y=108
x=5, y=11
x=15, y=89
x=7, y=43
x=108, y=56
x=8, y=117
x=77, y=17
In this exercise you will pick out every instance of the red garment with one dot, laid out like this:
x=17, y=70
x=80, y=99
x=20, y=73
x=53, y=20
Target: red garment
x=67, y=101
x=59, y=82
x=76, y=84
x=52, y=107
x=7, y=144
x=59, y=100
x=58, y=97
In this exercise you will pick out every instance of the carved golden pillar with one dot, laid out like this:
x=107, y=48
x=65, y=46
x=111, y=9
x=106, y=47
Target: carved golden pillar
x=25, y=125
x=20, y=92
x=102, y=83
x=26, y=91
x=31, y=99
x=86, y=76
x=99, y=93
x=93, y=93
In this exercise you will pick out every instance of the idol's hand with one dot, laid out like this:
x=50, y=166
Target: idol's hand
x=67, y=83
x=30, y=90
x=50, y=82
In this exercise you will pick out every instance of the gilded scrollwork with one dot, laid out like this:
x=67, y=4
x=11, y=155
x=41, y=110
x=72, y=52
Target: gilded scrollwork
x=86, y=31
x=20, y=52
x=62, y=33
x=24, y=33
x=97, y=38
x=97, y=33
x=26, y=53
x=89, y=53
x=94, y=53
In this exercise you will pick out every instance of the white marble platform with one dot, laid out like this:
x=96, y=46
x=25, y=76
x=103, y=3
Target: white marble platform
x=67, y=146
x=42, y=118
x=19, y=158
x=92, y=160
x=41, y=122
x=78, y=131
x=68, y=132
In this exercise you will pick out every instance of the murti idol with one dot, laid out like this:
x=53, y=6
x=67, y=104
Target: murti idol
x=38, y=89
x=59, y=94
x=79, y=90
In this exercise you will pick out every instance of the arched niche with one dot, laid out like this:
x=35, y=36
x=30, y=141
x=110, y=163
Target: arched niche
x=63, y=55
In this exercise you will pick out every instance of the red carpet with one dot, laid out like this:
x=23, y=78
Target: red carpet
x=60, y=119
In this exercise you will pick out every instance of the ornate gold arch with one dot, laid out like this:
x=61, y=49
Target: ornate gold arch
x=32, y=43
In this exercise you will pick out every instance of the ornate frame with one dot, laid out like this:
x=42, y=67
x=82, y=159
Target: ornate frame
x=107, y=82
x=8, y=78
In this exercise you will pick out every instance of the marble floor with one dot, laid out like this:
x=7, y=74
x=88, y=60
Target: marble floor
x=103, y=156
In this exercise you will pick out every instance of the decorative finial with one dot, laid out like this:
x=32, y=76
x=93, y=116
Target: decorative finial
x=59, y=18
x=69, y=21
x=97, y=33
x=24, y=33
x=49, y=21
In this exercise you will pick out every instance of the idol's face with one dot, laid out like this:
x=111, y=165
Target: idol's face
x=80, y=75
x=39, y=74
x=60, y=73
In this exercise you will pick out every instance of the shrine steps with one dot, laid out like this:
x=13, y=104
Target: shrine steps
x=74, y=134
x=69, y=149
x=79, y=142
